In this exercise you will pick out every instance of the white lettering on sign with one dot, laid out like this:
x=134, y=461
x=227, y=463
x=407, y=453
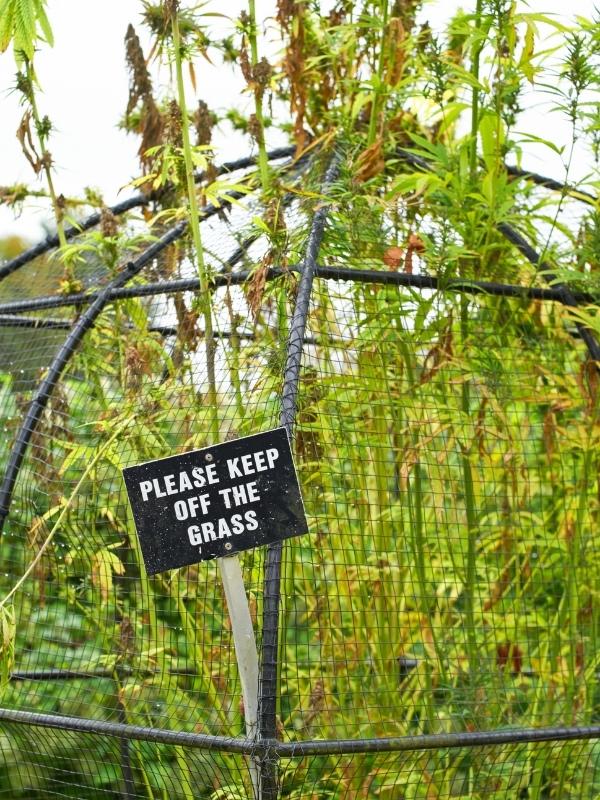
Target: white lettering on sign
x=184, y=509
x=211, y=531
x=198, y=505
x=213, y=502
x=251, y=463
x=177, y=484
x=240, y=495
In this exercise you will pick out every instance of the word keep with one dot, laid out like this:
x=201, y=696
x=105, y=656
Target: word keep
x=199, y=477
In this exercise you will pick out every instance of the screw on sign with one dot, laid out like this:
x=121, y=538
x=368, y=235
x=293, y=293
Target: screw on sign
x=217, y=501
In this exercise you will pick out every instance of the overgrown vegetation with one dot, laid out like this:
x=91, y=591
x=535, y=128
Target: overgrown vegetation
x=447, y=442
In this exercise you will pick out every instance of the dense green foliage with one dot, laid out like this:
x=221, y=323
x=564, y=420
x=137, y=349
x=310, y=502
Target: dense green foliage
x=447, y=443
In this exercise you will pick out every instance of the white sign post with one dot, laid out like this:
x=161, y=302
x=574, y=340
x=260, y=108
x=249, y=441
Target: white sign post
x=214, y=503
x=245, y=650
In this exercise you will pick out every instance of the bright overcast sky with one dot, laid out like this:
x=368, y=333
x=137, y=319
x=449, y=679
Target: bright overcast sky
x=85, y=88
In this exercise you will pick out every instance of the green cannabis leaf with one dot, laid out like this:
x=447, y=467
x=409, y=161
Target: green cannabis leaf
x=24, y=22
x=7, y=643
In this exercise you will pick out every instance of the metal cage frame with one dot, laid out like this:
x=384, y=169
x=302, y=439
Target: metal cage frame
x=266, y=748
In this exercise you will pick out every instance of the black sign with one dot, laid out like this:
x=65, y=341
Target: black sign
x=216, y=501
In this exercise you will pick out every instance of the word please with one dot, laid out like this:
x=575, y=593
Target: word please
x=198, y=477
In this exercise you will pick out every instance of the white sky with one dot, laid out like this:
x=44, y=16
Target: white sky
x=85, y=88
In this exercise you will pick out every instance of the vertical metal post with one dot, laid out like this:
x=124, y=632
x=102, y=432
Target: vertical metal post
x=267, y=713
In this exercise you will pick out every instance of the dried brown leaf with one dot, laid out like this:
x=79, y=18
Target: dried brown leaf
x=397, y=51
x=187, y=329
x=369, y=163
x=393, y=257
x=26, y=141
x=256, y=289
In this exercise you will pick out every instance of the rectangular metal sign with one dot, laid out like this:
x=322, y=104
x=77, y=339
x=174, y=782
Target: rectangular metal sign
x=216, y=501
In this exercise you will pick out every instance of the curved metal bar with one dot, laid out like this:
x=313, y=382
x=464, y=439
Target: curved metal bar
x=16, y=321
x=516, y=172
x=125, y=205
x=267, y=698
x=201, y=741
x=534, y=258
x=311, y=747
x=98, y=673
x=329, y=273
x=224, y=278
x=568, y=298
x=83, y=324
x=551, y=183
x=459, y=285
x=436, y=741
x=51, y=242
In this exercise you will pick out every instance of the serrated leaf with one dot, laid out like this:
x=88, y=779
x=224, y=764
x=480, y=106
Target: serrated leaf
x=45, y=24
x=80, y=452
x=528, y=48
x=105, y=564
x=6, y=17
x=25, y=28
x=7, y=643
x=137, y=314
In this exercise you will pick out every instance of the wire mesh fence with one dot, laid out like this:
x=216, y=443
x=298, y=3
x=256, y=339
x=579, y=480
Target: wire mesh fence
x=434, y=635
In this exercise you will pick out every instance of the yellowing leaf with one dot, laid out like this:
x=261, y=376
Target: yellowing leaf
x=525, y=61
x=105, y=564
x=7, y=643
x=19, y=21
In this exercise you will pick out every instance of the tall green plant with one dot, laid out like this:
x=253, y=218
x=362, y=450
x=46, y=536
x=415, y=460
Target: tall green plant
x=257, y=73
x=172, y=9
x=24, y=23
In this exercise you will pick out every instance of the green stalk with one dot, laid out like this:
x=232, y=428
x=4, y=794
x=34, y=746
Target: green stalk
x=282, y=316
x=196, y=235
x=414, y=495
x=419, y=539
x=200, y=663
x=538, y=760
x=234, y=373
x=46, y=160
x=234, y=358
x=263, y=161
x=380, y=66
x=470, y=513
x=475, y=57
x=471, y=571
x=384, y=650
x=470, y=577
x=184, y=770
x=590, y=700
x=573, y=585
